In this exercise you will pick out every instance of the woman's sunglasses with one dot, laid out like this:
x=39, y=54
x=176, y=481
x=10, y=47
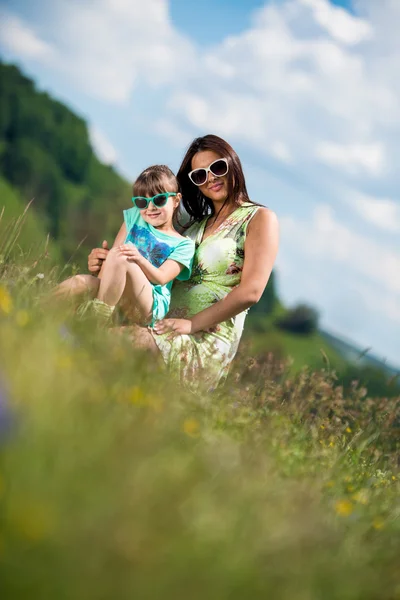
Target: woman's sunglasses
x=218, y=168
x=159, y=200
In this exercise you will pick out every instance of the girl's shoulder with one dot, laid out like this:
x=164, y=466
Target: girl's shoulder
x=131, y=216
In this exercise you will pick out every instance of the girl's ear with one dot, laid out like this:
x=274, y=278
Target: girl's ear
x=177, y=200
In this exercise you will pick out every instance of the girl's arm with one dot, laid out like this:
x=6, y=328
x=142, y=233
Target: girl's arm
x=168, y=271
x=261, y=247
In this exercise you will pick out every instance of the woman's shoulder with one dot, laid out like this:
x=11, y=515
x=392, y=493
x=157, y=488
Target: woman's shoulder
x=263, y=218
x=263, y=212
x=192, y=230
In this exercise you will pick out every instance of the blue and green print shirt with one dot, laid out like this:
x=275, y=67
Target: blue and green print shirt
x=157, y=246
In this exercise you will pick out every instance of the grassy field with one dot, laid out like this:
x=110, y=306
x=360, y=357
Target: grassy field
x=302, y=350
x=116, y=483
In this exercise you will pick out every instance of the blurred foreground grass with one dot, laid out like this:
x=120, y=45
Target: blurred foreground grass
x=116, y=483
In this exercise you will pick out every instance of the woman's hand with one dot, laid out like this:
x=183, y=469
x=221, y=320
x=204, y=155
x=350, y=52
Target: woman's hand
x=173, y=326
x=131, y=253
x=97, y=257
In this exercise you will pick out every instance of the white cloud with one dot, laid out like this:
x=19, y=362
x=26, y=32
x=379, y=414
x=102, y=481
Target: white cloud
x=293, y=88
x=109, y=46
x=306, y=81
x=176, y=135
x=21, y=40
x=384, y=213
x=368, y=158
x=281, y=151
x=339, y=23
x=329, y=240
x=379, y=302
x=102, y=146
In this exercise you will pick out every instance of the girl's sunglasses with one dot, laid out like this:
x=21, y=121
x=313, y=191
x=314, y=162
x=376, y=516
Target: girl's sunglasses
x=158, y=200
x=218, y=168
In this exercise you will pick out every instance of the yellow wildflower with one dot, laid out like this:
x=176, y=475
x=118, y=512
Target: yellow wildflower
x=136, y=395
x=378, y=523
x=191, y=427
x=156, y=404
x=32, y=521
x=64, y=362
x=329, y=484
x=361, y=497
x=22, y=318
x=5, y=301
x=348, y=429
x=344, y=508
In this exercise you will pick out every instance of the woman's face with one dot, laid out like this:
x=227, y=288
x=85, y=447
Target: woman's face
x=215, y=188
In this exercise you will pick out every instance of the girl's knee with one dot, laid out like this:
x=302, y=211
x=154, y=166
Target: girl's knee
x=114, y=258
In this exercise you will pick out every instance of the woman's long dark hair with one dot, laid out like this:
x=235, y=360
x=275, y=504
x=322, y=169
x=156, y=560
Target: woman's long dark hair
x=195, y=203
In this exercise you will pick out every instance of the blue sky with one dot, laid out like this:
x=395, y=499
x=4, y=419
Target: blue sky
x=307, y=91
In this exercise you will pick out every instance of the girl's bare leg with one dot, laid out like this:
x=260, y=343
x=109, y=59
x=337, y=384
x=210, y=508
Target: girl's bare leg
x=123, y=278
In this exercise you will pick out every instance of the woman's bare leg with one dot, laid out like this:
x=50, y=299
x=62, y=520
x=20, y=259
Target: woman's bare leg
x=140, y=337
x=78, y=286
x=121, y=278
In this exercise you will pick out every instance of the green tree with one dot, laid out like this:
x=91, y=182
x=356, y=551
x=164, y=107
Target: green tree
x=302, y=319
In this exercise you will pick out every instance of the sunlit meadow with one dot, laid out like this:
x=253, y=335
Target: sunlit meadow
x=116, y=483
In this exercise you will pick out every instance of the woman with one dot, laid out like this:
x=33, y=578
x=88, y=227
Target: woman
x=236, y=246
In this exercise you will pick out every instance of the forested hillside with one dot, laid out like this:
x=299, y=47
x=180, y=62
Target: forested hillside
x=45, y=154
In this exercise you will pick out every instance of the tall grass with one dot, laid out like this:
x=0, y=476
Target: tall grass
x=117, y=483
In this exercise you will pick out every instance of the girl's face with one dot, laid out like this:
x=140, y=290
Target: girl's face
x=161, y=216
x=215, y=188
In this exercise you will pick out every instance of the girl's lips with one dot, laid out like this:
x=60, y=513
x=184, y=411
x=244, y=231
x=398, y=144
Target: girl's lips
x=153, y=215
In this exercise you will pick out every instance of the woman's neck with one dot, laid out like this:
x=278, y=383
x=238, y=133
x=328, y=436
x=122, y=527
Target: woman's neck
x=221, y=212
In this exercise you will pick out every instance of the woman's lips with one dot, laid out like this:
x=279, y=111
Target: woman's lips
x=216, y=187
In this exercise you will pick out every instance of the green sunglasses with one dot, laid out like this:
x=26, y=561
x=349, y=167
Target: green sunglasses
x=158, y=200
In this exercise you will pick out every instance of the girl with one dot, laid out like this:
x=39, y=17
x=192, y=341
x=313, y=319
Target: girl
x=147, y=255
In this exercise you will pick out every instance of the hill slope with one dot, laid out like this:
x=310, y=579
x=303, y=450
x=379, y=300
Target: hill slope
x=45, y=154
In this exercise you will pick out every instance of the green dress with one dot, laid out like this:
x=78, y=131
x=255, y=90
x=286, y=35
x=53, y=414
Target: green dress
x=204, y=358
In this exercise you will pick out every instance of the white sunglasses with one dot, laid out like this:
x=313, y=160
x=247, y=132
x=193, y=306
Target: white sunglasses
x=218, y=168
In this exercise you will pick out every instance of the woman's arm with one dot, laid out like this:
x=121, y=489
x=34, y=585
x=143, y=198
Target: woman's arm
x=157, y=275
x=97, y=256
x=261, y=247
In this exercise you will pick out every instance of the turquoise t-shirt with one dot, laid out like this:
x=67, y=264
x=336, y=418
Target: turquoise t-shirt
x=157, y=246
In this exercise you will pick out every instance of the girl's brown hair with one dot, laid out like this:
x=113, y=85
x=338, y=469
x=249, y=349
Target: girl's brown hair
x=153, y=180
x=195, y=203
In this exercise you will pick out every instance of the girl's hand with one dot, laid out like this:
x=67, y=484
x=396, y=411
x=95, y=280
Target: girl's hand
x=173, y=326
x=130, y=252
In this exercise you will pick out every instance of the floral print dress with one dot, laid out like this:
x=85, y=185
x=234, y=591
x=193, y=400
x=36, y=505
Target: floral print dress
x=203, y=358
